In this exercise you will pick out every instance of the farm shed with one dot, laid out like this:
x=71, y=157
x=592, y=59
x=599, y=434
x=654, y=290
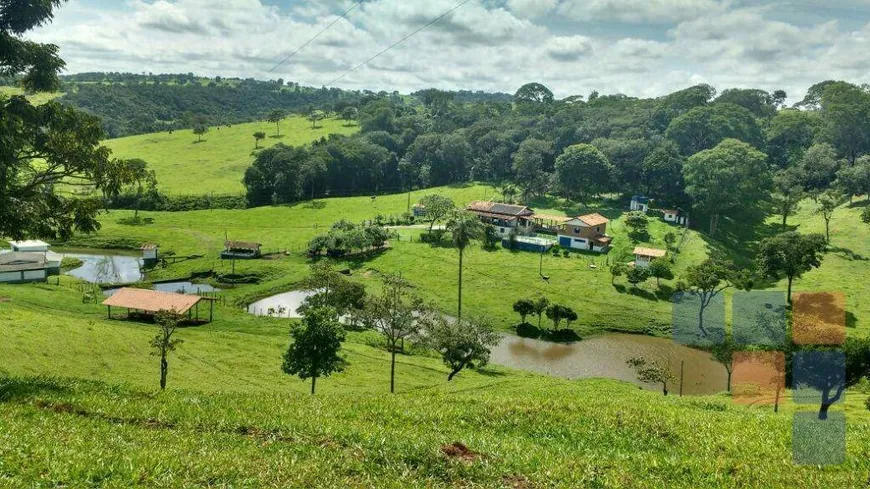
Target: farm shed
x=241, y=250
x=150, y=302
x=17, y=267
x=52, y=259
x=643, y=256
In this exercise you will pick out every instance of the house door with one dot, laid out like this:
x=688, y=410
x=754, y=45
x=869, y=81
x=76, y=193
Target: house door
x=564, y=242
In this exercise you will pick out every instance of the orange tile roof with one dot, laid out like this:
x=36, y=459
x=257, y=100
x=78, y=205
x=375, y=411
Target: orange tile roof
x=594, y=219
x=651, y=252
x=151, y=300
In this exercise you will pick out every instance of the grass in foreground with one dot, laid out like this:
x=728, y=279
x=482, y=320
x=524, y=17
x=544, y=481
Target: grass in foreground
x=530, y=433
x=185, y=166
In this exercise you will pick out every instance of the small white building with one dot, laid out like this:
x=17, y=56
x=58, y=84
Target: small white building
x=17, y=267
x=674, y=216
x=149, y=254
x=644, y=256
x=639, y=203
x=52, y=259
x=29, y=246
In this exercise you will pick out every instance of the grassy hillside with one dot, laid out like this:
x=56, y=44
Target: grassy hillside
x=217, y=164
x=493, y=280
x=232, y=419
x=35, y=98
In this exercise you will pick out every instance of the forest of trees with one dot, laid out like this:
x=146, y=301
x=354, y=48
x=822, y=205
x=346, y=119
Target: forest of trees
x=740, y=154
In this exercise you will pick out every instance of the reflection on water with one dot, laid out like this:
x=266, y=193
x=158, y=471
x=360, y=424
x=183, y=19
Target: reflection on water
x=606, y=356
x=107, y=269
x=281, y=305
x=182, y=287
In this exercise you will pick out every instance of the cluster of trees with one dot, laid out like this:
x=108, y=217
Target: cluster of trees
x=738, y=156
x=346, y=237
x=541, y=307
x=134, y=104
x=659, y=269
x=396, y=313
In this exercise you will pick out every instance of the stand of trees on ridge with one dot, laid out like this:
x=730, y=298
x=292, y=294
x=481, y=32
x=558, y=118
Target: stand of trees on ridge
x=738, y=155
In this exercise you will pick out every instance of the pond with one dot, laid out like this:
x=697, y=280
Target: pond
x=606, y=355
x=602, y=356
x=281, y=305
x=107, y=268
x=181, y=287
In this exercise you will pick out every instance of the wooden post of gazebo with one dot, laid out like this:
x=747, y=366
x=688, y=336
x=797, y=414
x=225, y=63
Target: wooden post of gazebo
x=110, y=311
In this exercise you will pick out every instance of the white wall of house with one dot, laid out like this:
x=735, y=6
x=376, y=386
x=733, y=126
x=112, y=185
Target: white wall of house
x=34, y=275
x=642, y=261
x=669, y=217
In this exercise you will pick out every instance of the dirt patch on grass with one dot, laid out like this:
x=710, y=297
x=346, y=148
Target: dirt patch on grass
x=516, y=482
x=458, y=450
x=5, y=299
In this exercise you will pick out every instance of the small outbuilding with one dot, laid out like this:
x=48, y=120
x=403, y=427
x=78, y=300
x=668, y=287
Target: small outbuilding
x=243, y=250
x=639, y=203
x=150, y=302
x=18, y=268
x=52, y=259
x=674, y=215
x=149, y=254
x=644, y=256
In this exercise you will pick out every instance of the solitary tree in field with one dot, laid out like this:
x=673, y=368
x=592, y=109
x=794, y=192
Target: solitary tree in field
x=258, y=136
x=638, y=223
x=436, y=208
x=652, y=372
x=707, y=280
x=723, y=352
x=660, y=269
x=164, y=343
x=618, y=269
x=315, y=116
x=637, y=275
x=199, y=129
x=788, y=191
x=136, y=172
x=396, y=315
x=791, y=255
x=669, y=239
x=462, y=344
x=275, y=117
x=464, y=228
x=828, y=203
x=524, y=307
x=316, y=344
x=819, y=375
x=349, y=114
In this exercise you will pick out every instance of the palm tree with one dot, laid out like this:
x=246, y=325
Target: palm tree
x=508, y=192
x=464, y=227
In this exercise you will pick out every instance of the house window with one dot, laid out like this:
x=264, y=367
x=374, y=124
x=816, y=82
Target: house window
x=576, y=230
x=597, y=229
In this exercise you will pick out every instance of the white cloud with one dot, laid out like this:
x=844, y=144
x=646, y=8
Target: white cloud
x=568, y=48
x=637, y=11
x=531, y=8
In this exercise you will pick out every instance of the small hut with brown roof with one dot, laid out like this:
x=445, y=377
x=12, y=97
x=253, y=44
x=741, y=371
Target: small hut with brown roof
x=243, y=250
x=150, y=302
x=643, y=256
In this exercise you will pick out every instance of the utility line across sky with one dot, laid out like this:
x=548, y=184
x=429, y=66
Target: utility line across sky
x=300, y=48
x=400, y=41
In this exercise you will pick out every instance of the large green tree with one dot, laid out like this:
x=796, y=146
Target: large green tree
x=731, y=180
x=45, y=146
x=582, y=171
x=855, y=180
x=704, y=127
x=663, y=173
x=845, y=110
x=316, y=344
x=790, y=255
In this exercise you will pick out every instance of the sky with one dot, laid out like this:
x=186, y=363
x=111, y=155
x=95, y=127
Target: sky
x=640, y=48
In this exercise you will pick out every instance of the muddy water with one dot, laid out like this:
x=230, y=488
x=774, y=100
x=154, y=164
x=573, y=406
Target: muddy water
x=606, y=356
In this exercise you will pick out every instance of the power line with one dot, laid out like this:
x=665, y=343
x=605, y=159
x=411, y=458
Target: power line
x=300, y=48
x=445, y=14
